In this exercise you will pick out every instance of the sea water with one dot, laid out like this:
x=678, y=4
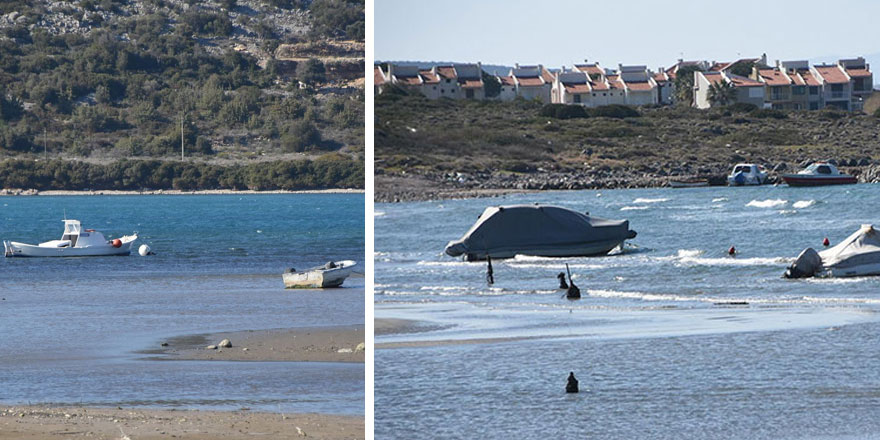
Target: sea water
x=71, y=329
x=673, y=338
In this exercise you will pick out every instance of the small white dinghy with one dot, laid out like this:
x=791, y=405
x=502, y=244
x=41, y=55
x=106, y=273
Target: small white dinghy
x=331, y=274
x=75, y=242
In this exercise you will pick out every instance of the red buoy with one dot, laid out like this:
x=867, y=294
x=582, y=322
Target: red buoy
x=825, y=242
x=117, y=242
x=731, y=251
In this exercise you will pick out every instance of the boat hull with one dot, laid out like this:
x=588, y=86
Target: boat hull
x=800, y=180
x=15, y=249
x=319, y=278
x=591, y=249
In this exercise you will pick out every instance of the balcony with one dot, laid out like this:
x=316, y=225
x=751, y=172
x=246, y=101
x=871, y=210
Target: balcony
x=839, y=95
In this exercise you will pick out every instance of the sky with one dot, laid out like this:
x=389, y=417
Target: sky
x=653, y=33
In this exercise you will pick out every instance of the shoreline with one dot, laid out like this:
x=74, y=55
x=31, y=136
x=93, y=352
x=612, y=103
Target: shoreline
x=170, y=192
x=298, y=344
x=46, y=422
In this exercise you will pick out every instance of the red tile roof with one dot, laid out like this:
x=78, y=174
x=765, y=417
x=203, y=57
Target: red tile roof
x=506, y=80
x=832, y=74
x=429, y=77
x=639, y=86
x=446, y=72
x=773, y=77
x=858, y=73
x=810, y=79
x=614, y=82
x=717, y=67
x=661, y=77
x=548, y=77
x=599, y=85
x=713, y=77
x=590, y=69
x=741, y=81
x=471, y=84
x=577, y=88
x=378, y=79
x=530, y=82
x=797, y=79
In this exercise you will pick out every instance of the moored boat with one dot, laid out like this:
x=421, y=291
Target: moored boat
x=817, y=174
x=538, y=230
x=331, y=274
x=75, y=242
x=857, y=255
x=747, y=174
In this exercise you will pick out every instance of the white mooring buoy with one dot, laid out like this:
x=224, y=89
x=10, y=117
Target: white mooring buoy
x=144, y=250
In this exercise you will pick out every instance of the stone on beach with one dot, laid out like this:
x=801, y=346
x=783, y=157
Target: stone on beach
x=211, y=347
x=225, y=344
x=360, y=347
x=344, y=350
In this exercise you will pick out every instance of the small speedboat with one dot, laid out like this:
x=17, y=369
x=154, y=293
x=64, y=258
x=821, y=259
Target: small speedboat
x=331, y=274
x=75, y=242
x=540, y=231
x=747, y=174
x=819, y=173
x=857, y=255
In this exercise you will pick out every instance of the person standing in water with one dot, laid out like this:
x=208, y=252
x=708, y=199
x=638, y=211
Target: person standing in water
x=572, y=385
x=490, y=277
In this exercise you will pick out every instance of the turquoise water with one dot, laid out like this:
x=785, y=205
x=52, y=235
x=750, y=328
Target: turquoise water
x=72, y=327
x=658, y=347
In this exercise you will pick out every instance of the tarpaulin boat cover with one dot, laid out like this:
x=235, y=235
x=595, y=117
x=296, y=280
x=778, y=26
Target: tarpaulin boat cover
x=862, y=247
x=535, y=226
x=858, y=254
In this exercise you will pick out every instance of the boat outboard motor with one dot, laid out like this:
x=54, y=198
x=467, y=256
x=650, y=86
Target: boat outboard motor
x=806, y=265
x=739, y=179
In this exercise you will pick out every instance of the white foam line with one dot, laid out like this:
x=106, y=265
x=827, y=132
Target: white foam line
x=647, y=200
x=769, y=203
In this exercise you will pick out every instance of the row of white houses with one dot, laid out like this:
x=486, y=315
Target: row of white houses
x=787, y=85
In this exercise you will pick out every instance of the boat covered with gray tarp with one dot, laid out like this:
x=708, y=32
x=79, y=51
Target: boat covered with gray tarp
x=857, y=255
x=538, y=230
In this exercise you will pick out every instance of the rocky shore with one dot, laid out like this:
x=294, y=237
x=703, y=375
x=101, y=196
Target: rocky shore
x=433, y=186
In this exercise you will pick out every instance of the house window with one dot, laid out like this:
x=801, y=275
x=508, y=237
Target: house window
x=577, y=98
x=604, y=94
x=836, y=88
x=814, y=106
x=434, y=87
x=594, y=94
x=469, y=93
x=798, y=90
x=814, y=90
x=448, y=80
x=442, y=91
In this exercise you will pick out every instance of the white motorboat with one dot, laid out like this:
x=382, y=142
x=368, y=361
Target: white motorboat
x=538, y=230
x=857, y=255
x=75, y=242
x=331, y=274
x=747, y=174
x=817, y=174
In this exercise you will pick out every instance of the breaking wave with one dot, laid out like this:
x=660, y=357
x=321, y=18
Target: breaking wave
x=633, y=208
x=769, y=203
x=647, y=200
x=800, y=204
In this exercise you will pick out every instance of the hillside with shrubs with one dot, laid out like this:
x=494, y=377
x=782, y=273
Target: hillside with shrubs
x=428, y=149
x=238, y=85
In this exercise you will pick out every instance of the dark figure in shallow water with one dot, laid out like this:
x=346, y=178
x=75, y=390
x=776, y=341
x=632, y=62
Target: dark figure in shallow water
x=572, y=385
x=573, y=291
x=490, y=278
x=562, y=283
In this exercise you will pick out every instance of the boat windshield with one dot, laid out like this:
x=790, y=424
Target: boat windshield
x=823, y=169
x=742, y=168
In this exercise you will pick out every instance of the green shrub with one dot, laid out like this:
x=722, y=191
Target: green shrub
x=742, y=107
x=766, y=113
x=563, y=111
x=614, y=111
